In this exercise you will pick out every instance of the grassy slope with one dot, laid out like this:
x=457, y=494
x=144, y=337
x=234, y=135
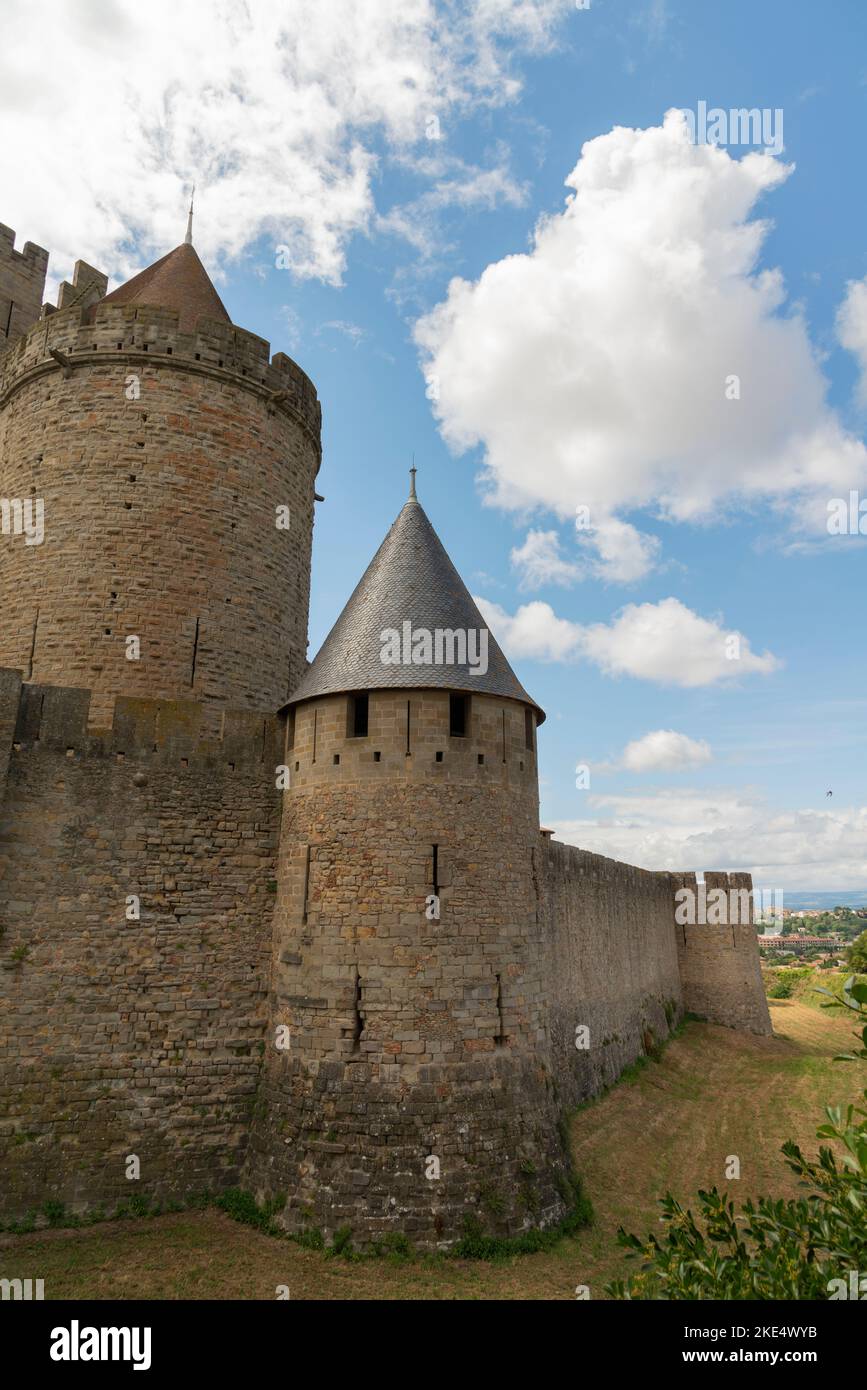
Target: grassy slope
x=714, y=1093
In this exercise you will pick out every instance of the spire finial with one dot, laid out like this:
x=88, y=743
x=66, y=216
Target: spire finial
x=412, y=473
x=188, y=239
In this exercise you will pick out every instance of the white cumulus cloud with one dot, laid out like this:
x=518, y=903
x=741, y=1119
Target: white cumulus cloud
x=668, y=643
x=639, y=355
x=539, y=561
x=700, y=829
x=623, y=554
x=613, y=551
x=533, y=631
x=852, y=327
x=664, y=642
x=279, y=112
x=665, y=750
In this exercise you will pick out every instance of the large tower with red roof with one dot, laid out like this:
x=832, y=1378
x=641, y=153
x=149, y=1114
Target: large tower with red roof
x=173, y=462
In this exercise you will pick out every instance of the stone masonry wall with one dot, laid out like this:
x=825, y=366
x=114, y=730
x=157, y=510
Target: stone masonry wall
x=409, y=1039
x=22, y=286
x=161, y=459
x=611, y=962
x=719, y=963
x=119, y=1036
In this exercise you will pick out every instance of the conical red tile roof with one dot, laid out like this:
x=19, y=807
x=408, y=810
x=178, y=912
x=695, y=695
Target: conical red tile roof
x=176, y=281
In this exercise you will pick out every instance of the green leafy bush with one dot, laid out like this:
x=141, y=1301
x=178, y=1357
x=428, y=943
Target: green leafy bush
x=242, y=1206
x=781, y=989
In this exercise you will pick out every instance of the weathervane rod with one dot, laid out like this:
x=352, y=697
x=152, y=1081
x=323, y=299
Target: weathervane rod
x=188, y=239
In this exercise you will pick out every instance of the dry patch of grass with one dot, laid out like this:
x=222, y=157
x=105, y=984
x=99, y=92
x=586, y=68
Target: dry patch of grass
x=714, y=1093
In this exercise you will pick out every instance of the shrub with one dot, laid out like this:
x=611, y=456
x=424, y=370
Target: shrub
x=781, y=989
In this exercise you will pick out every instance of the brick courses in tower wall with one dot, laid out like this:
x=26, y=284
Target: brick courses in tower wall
x=161, y=459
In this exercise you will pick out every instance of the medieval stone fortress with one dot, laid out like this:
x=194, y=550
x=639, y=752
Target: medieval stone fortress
x=263, y=923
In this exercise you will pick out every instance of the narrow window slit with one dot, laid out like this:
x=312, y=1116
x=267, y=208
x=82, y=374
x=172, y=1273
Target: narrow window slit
x=32, y=646
x=458, y=715
x=357, y=1014
x=306, y=883
x=357, y=716
x=500, y=1036
x=195, y=654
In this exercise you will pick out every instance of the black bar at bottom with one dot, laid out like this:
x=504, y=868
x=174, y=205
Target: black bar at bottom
x=163, y=1338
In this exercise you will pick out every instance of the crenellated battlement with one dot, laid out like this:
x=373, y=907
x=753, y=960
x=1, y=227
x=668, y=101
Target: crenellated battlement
x=127, y=333
x=717, y=951
x=22, y=285
x=41, y=718
x=36, y=257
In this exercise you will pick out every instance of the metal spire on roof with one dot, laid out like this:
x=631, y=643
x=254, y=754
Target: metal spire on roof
x=412, y=473
x=188, y=239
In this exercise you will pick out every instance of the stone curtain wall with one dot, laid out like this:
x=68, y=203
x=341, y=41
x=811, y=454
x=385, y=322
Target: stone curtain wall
x=409, y=1039
x=719, y=965
x=619, y=964
x=611, y=963
x=160, y=509
x=122, y=1037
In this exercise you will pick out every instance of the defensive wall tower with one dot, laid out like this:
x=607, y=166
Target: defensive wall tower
x=175, y=463
x=720, y=968
x=409, y=1088
x=395, y=1054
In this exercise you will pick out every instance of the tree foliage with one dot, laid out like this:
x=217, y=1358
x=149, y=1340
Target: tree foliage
x=857, y=954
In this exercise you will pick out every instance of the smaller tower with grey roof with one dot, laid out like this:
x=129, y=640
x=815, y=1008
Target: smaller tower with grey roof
x=407, y=1087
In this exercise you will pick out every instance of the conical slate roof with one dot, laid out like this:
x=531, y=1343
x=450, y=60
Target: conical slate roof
x=176, y=281
x=409, y=580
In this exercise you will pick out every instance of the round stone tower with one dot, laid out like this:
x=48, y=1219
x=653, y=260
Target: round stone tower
x=407, y=1087
x=173, y=466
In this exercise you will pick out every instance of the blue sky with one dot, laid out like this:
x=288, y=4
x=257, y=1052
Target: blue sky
x=554, y=386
